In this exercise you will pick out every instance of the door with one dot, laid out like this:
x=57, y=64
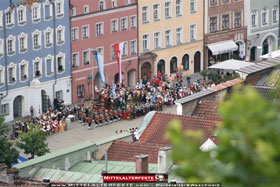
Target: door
x=17, y=105
x=146, y=71
x=253, y=54
x=197, y=62
x=45, y=101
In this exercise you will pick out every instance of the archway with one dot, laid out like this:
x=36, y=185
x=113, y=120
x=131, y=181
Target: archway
x=45, y=101
x=18, y=106
x=161, y=67
x=173, y=64
x=253, y=52
x=186, y=62
x=131, y=78
x=146, y=71
x=197, y=62
x=265, y=47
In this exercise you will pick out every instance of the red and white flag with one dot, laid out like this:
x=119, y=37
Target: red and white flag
x=119, y=51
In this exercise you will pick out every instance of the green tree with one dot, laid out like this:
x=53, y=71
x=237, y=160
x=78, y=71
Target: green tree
x=8, y=154
x=33, y=142
x=248, y=151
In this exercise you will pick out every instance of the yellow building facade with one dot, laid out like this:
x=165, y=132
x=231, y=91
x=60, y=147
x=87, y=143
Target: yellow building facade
x=170, y=36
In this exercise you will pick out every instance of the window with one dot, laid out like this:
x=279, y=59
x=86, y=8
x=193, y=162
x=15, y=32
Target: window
x=213, y=24
x=178, y=7
x=157, y=39
x=275, y=14
x=86, y=57
x=1, y=47
x=125, y=48
x=213, y=2
x=185, y=62
x=75, y=60
x=102, y=5
x=36, y=35
x=59, y=94
x=59, y=8
x=36, y=12
x=179, y=35
x=114, y=25
x=173, y=65
x=168, y=41
x=156, y=13
x=22, y=40
x=114, y=3
x=80, y=90
x=23, y=72
x=145, y=14
x=100, y=50
x=21, y=13
x=113, y=55
x=99, y=29
x=48, y=38
x=37, y=69
x=49, y=65
x=2, y=81
x=47, y=10
x=132, y=21
x=5, y=109
x=225, y=22
x=146, y=42
x=59, y=36
x=1, y=22
x=254, y=19
x=192, y=6
x=123, y=23
x=225, y=1
x=73, y=12
x=192, y=32
x=265, y=17
x=86, y=9
x=167, y=8
x=11, y=75
x=237, y=19
x=75, y=34
x=60, y=63
x=85, y=31
x=10, y=18
x=133, y=47
x=11, y=45
x=127, y=2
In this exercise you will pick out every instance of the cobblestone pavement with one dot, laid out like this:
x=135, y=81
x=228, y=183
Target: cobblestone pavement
x=79, y=133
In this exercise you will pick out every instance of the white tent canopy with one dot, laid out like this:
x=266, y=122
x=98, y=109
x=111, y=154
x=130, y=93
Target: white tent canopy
x=223, y=47
x=274, y=54
x=208, y=145
x=230, y=65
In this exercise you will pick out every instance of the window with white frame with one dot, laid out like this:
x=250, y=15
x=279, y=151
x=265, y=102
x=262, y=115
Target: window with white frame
x=75, y=33
x=132, y=21
x=237, y=19
x=100, y=50
x=60, y=62
x=275, y=14
x=157, y=40
x=193, y=6
x=112, y=51
x=12, y=73
x=21, y=13
x=225, y=1
x=123, y=23
x=49, y=63
x=213, y=24
x=114, y=25
x=37, y=67
x=145, y=14
x=1, y=22
x=179, y=7
x=1, y=47
x=5, y=109
x=60, y=34
x=11, y=45
x=73, y=11
x=213, y=2
x=22, y=42
x=254, y=19
x=36, y=36
x=86, y=9
x=193, y=33
x=85, y=31
x=10, y=18
x=23, y=70
x=156, y=12
x=114, y=3
x=75, y=60
x=59, y=8
x=48, y=37
x=102, y=5
x=168, y=40
x=265, y=17
x=146, y=42
x=179, y=35
x=47, y=10
x=125, y=49
x=167, y=9
x=86, y=57
x=99, y=29
x=2, y=79
x=59, y=94
x=127, y=2
x=133, y=47
x=225, y=22
x=36, y=12
x=80, y=91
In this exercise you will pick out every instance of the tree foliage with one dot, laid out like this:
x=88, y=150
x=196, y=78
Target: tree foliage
x=8, y=154
x=248, y=151
x=33, y=142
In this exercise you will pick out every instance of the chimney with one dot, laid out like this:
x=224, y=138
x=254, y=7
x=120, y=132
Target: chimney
x=142, y=164
x=164, y=160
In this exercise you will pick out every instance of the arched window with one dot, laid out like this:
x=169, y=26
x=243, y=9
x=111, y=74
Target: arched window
x=186, y=62
x=173, y=65
x=161, y=67
x=102, y=5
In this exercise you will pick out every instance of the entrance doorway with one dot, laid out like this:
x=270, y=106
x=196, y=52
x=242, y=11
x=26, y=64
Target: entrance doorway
x=146, y=71
x=17, y=106
x=45, y=101
x=131, y=78
x=265, y=47
x=197, y=59
x=253, y=54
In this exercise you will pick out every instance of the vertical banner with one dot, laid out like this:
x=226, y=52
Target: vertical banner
x=119, y=51
x=100, y=64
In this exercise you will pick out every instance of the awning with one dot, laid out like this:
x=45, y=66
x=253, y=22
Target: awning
x=230, y=65
x=223, y=47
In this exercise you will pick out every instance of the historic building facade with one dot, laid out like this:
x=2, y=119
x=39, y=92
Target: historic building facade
x=99, y=24
x=263, y=27
x=225, y=30
x=170, y=37
x=34, y=65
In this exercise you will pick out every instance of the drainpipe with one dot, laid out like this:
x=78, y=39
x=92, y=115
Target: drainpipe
x=278, y=25
x=71, y=65
x=138, y=41
x=205, y=62
x=54, y=43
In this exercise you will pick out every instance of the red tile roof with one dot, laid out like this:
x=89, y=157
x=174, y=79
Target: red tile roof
x=207, y=109
x=127, y=151
x=227, y=84
x=155, y=132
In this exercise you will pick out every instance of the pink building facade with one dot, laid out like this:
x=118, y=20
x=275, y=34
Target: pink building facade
x=99, y=24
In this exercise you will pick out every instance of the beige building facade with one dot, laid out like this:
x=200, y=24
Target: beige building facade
x=170, y=37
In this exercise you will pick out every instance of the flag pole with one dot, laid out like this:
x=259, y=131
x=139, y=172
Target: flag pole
x=92, y=86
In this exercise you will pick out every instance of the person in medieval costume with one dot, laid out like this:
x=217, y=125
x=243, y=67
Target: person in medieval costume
x=116, y=116
x=111, y=116
x=106, y=117
x=96, y=119
x=101, y=117
x=89, y=122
